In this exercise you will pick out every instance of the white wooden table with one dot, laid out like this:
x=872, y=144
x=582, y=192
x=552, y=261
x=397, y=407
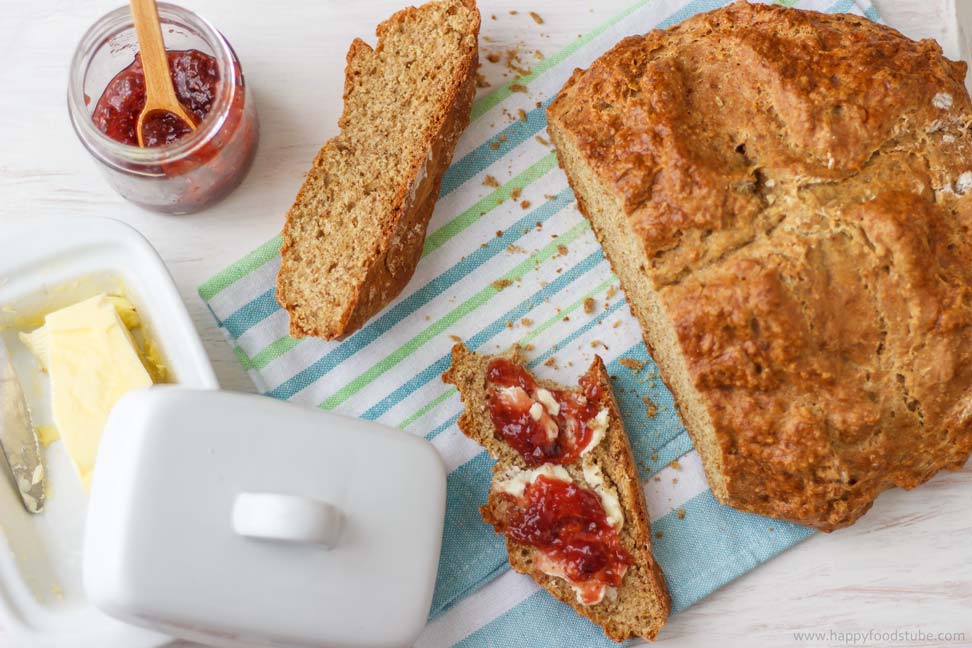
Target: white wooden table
x=906, y=566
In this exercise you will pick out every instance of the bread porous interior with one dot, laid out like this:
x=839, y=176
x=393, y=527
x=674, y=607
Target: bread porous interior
x=395, y=101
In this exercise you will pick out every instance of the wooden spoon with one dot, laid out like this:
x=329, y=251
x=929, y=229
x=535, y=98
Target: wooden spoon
x=160, y=96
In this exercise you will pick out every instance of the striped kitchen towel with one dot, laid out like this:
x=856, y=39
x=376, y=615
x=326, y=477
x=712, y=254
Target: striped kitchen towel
x=508, y=259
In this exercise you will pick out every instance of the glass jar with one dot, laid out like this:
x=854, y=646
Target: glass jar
x=189, y=173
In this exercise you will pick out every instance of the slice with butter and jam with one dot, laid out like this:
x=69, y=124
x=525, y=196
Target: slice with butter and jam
x=92, y=359
x=565, y=492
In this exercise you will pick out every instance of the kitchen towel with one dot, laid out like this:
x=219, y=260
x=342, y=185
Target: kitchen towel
x=508, y=258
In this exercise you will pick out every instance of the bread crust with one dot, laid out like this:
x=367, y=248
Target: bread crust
x=397, y=248
x=786, y=197
x=643, y=602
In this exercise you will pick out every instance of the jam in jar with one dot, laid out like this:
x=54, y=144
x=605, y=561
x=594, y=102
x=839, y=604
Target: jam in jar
x=180, y=170
x=195, y=79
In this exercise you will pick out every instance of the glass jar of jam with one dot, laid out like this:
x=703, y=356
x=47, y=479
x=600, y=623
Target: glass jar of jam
x=180, y=170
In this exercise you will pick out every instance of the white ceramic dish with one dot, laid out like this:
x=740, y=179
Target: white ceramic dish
x=283, y=525
x=45, y=266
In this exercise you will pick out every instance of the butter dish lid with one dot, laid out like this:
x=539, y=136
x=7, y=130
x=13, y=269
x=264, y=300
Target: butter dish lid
x=235, y=519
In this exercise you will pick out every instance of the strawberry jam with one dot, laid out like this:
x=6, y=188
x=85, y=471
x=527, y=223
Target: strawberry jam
x=541, y=434
x=570, y=528
x=195, y=77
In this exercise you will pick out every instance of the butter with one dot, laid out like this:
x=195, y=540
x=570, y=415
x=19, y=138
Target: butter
x=549, y=402
x=514, y=480
x=516, y=397
x=46, y=434
x=609, y=497
x=588, y=593
x=91, y=358
x=599, y=426
x=536, y=411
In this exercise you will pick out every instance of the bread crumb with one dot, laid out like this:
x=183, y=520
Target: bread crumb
x=500, y=284
x=542, y=140
x=659, y=534
x=616, y=324
x=493, y=57
x=515, y=194
x=455, y=338
x=499, y=233
x=680, y=513
x=632, y=364
x=598, y=343
x=522, y=114
x=650, y=410
x=518, y=87
x=526, y=321
x=654, y=457
x=481, y=81
x=528, y=347
x=525, y=204
x=562, y=250
x=536, y=17
x=538, y=54
x=513, y=12
x=494, y=145
x=589, y=305
x=675, y=465
x=490, y=181
x=550, y=362
x=612, y=291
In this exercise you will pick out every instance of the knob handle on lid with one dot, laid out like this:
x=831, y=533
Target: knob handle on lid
x=288, y=518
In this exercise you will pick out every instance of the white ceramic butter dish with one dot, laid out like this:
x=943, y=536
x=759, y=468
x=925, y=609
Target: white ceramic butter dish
x=238, y=520
x=44, y=266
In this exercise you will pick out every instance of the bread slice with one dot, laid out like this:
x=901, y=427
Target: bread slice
x=642, y=604
x=357, y=227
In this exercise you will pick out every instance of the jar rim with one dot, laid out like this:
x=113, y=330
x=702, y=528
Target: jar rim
x=113, y=152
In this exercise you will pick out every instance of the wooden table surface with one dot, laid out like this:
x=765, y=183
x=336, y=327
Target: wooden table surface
x=907, y=565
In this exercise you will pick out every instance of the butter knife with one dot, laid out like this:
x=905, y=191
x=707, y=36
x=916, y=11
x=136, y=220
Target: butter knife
x=18, y=439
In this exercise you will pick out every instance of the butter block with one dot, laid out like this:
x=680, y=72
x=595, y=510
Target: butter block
x=91, y=359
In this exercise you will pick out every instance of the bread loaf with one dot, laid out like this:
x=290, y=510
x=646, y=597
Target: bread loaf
x=637, y=606
x=356, y=230
x=786, y=197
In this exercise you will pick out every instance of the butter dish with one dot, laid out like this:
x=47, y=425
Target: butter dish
x=45, y=266
x=239, y=520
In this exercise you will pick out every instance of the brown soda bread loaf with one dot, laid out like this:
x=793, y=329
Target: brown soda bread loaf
x=786, y=197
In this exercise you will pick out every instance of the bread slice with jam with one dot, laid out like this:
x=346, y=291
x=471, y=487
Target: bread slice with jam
x=565, y=490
